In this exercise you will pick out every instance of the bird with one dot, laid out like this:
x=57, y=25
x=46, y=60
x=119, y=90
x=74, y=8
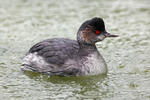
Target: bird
x=67, y=57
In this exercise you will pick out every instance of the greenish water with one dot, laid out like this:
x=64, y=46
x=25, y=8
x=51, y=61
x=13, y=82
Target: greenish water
x=26, y=22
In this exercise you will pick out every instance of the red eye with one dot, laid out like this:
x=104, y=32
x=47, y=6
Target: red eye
x=98, y=32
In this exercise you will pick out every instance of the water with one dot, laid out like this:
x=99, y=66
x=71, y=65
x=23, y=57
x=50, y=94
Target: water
x=26, y=22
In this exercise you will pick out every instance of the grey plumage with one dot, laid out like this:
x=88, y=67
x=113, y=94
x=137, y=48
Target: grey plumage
x=56, y=48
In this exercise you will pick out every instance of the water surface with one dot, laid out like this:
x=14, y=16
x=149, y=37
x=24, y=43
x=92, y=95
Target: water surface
x=26, y=22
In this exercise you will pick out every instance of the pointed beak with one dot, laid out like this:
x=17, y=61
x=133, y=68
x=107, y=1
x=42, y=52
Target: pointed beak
x=110, y=35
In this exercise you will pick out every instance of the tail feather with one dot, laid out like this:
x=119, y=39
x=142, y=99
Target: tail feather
x=26, y=67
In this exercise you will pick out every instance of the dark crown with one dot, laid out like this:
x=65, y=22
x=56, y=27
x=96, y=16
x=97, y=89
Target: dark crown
x=96, y=23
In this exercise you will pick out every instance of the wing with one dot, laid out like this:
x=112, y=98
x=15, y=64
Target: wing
x=56, y=51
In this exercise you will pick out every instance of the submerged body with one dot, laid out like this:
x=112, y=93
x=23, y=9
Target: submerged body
x=65, y=57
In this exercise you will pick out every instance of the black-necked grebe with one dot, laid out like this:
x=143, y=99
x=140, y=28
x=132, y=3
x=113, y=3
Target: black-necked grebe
x=65, y=57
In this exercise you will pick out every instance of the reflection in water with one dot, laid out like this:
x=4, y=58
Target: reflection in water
x=82, y=85
x=81, y=80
